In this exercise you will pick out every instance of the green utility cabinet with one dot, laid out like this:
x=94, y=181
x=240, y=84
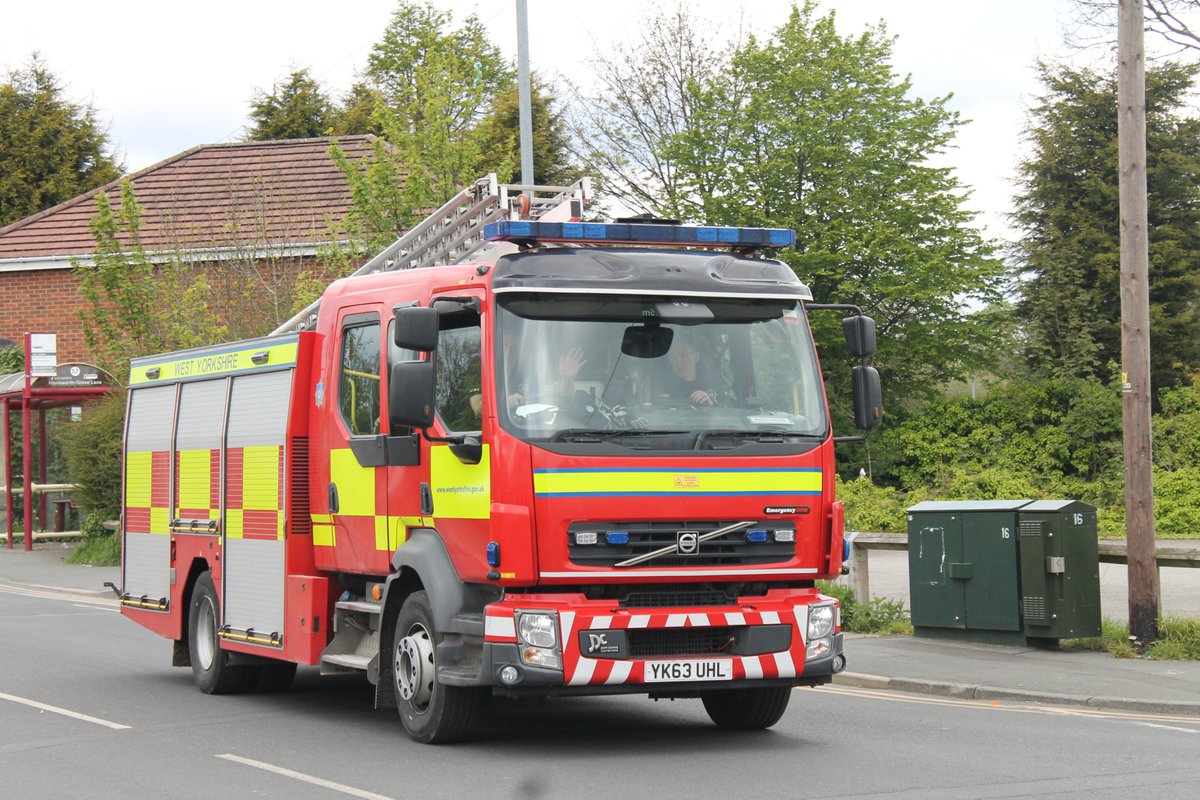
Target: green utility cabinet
x=1060, y=570
x=963, y=569
x=1004, y=570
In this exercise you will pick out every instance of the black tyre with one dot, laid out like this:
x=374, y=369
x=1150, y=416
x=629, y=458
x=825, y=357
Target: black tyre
x=274, y=677
x=747, y=709
x=210, y=664
x=432, y=713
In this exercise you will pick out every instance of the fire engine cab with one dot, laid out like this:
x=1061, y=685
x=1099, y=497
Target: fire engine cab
x=540, y=458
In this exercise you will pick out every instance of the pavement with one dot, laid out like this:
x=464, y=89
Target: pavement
x=897, y=663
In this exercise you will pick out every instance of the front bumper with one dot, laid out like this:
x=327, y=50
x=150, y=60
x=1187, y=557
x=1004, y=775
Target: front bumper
x=764, y=636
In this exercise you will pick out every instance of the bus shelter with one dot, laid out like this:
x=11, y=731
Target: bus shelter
x=31, y=397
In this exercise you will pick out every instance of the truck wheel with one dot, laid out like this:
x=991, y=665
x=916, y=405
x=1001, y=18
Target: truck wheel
x=747, y=709
x=431, y=712
x=210, y=664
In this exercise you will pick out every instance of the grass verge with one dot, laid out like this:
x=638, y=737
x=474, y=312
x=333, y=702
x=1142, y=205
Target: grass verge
x=1179, y=640
x=880, y=615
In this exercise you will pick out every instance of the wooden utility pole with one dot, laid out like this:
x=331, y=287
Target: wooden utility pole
x=1135, y=324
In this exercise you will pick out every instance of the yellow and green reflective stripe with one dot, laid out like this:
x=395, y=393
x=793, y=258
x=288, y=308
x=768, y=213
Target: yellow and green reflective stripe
x=237, y=358
x=674, y=482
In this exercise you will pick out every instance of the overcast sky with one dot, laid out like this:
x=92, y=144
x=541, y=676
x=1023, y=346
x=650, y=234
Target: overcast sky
x=167, y=76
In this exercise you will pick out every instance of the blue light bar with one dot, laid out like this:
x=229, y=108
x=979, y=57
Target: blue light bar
x=756, y=535
x=638, y=234
x=617, y=537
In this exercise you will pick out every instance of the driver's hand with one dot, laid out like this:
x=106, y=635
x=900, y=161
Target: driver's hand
x=570, y=364
x=701, y=398
x=516, y=399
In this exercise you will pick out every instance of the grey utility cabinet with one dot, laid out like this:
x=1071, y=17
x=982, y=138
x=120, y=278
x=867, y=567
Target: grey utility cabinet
x=1004, y=570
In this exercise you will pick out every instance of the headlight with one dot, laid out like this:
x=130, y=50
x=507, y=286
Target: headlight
x=538, y=630
x=820, y=621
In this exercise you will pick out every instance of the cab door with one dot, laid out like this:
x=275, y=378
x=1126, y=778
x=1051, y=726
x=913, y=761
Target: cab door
x=460, y=487
x=371, y=475
x=352, y=433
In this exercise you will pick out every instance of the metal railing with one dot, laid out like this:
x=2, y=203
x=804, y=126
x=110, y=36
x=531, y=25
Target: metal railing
x=1167, y=553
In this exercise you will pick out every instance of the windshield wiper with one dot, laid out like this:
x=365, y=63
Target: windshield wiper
x=606, y=434
x=765, y=436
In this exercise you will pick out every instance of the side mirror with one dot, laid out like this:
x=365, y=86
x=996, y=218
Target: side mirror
x=642, y=341
x=860, y=335
x=868, y=397
x=416, y=328
x=411, y=395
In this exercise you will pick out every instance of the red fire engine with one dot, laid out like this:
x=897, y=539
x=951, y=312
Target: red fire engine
x=520, y=455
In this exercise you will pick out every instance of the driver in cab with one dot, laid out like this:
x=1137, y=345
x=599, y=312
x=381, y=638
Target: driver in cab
x=686, y=382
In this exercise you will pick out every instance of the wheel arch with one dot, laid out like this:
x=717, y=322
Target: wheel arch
x=180, y=655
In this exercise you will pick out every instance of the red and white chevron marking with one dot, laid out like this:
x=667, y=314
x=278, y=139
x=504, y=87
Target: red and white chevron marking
x=578, y=670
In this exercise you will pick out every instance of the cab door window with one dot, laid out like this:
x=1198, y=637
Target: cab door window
x=459, y=373
x=359, y=378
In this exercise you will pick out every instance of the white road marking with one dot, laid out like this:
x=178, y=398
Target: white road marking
x=300, y=776
x=116, y=726
x=96, y=608
x=1011, y=706
x=51, y=594
x=1167, y=727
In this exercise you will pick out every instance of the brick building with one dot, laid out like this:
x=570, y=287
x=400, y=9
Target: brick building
x=248, y=214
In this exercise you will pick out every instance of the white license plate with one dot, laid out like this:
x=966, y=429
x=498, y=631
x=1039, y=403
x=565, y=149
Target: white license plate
x=706, y=669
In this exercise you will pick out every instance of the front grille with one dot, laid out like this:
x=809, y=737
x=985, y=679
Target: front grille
x=645, y=537
x=675, y=598
x=645, y=643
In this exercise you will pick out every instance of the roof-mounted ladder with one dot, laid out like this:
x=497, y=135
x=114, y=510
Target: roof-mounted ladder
x=454, y=233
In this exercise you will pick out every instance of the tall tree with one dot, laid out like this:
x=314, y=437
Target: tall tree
x=51, y=149
x=356, y=113
x=436, y=81
x=138, y=303
x=1174, y=22
x=432, y=83
x=812, y=130
x=1067, y=207
x=498, y=136
x=643, y=98
x=297, y=108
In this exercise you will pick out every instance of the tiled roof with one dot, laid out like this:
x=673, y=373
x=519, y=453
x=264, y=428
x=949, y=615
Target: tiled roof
x=212, y=196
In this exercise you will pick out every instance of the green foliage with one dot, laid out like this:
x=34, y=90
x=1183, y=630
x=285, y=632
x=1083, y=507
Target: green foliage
x=139, y=303
x=11, y=360
x=50, y=148
x=1034, y=438
x=1179, y=640
x=642, y=100
x=1177, y=429
x=435, y=81
x=499, y=138
x=356, y=113
x=879, y=615
x=812, y=130
x=296, y=109
x=875, y=508
x=100, y=547
x=384, y=202
x=1068, y=210
x=1177, y=503
x=92, y=448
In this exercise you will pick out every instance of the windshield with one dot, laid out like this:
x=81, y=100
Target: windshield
x=588, y=368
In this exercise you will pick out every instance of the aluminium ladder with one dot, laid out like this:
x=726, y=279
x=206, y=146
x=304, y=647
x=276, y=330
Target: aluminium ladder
x=454, y=233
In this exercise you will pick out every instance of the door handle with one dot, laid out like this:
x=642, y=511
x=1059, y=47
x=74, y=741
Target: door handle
x=333, y=498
